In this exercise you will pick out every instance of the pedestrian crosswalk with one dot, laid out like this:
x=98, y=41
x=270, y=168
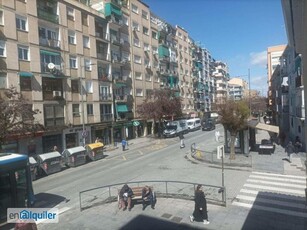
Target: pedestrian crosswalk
x=284, y=194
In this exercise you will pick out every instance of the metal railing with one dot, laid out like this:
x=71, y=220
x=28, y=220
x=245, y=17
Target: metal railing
x=164, y=189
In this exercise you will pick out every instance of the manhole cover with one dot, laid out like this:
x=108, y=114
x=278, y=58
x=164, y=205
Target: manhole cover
x=166, y=215
x=176, y=219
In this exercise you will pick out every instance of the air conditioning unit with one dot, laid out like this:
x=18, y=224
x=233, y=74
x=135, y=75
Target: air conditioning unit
x=57, y=93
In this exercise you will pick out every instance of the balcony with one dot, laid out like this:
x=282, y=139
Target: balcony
x=104, y=78
x=102, y=56
x=48, y=16
x=120, y=98
x=116, y=21
x=106, y=117
x=56, y=71
x=103, y=36
x=53, y=95
x=119, y=79
x=53, y=43
x=300, y=111
x=105, y=97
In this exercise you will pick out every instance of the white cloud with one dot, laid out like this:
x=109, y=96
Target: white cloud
x=259, y=58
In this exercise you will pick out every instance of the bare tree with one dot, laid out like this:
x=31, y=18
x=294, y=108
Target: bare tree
x=159, y=104
x=234, y=115
x=16, y=117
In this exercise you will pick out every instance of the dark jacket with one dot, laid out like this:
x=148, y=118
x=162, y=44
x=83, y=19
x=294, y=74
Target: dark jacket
x=145, y=193
x=125, y=189
x=181, y=136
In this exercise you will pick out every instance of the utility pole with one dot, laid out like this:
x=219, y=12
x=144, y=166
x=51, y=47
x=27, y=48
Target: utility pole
x=249, y=93
x=84, y=134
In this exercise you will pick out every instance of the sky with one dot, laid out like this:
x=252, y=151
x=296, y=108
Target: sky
x=237, y=32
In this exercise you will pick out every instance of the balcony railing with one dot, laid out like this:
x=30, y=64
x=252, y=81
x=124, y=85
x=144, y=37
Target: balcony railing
x=300, y=111
x=51, y=17
x=121, y=98
x=55, y=71
x=53, y=95
x=49, y=42
x=104, y=36
x=105, y=97
x=106, y=117
x=104, y=78
x=103, y=56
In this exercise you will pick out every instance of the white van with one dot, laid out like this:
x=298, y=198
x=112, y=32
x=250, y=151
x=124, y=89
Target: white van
x=194, y=124
x=174, y=128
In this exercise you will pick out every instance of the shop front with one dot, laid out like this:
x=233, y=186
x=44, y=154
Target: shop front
x=73, y=137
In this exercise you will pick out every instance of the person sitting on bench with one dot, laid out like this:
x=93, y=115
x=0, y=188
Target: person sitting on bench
x=125, y=195
x=148, y=195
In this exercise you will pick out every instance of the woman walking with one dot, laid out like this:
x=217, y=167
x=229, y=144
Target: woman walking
x=200, y=210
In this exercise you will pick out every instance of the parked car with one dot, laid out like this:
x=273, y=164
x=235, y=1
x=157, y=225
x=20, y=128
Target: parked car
x=193, y=124
x=266, y=147
x=174, y=128
x=208, y=125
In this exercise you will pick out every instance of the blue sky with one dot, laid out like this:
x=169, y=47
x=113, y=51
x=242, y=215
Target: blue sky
x=237, y=32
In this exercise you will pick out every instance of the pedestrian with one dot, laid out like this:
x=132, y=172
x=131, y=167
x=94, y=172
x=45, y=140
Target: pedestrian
x=125, y=195
x=97, y=140
x=181, y=138
x=55, y=148
x=297, y=144
x=290, y=149
x=148, y=195
x=200, y=209
x=124, y=143
x=24, y=225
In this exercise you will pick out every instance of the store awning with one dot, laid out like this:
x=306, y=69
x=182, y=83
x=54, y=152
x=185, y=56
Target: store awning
x=119, y=84
x=258, y=125
x=25, y=74
x=121, y=108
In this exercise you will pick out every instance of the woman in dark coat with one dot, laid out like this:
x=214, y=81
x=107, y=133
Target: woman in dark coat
x=200, y=210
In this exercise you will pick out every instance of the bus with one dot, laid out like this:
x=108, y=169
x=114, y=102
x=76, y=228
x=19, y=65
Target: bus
x=16, y=189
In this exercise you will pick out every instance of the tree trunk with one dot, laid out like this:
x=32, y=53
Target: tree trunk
x=232, y=155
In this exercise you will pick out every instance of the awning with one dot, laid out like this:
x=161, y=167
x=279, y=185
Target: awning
x=95, y=145
x=119, y=84
x=121, y=108
x=25, y=74
x=49, y=53
x=257, y=125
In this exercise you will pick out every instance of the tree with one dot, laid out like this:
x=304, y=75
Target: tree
x=234, y=116
x=16, y=117
x=159, y=104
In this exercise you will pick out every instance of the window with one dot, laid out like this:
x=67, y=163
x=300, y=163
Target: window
x=145, y=30
x=139, y=92
x=89, y=86
x=135, y=9
x=71, y=37
x=84, y=19
x=86, y=41
x=1, y=17
x=125, y=20
x=136, y=42
x=154, y=49
x=25, y=83
x=3, y=83
x=21, y=23
x=2, y=49
x=75, y=86
x=144, y=14
x=147, y=77
x=135, y=26
x=54, y=115
x=137, y=59
x=154, y=35
x=146, y=47
x=89, y=109
x=87, y=65
x=73, y=62
x=138, y=75
x=70, y=13
x=75, y=110
x=23, y=53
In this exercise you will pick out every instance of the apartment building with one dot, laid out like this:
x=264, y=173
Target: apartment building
x=294, y=62
x=238, y=88
x=87, y=65
x=221, y=74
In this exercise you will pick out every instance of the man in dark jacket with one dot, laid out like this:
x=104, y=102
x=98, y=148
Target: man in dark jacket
x=148, y=195
x=181, y=138
x=200, y=209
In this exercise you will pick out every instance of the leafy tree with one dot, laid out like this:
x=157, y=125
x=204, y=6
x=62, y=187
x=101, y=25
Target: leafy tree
x=234, y=116
x=16, y=117
x=160, y=103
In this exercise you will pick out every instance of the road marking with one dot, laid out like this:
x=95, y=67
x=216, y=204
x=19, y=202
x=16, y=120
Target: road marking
x=277, y=193
x=140, y=152
x=124, y=158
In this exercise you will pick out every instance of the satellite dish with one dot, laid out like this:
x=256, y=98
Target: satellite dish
x=51, y=65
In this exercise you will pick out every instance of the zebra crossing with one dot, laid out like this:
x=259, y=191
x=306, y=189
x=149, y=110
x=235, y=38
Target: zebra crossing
x=283, y=194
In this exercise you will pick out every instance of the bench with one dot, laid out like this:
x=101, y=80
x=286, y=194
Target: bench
x=137, y=193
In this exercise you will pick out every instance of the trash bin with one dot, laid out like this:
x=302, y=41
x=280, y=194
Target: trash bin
x=50, y=162
x=74, y=156
x=94, y=151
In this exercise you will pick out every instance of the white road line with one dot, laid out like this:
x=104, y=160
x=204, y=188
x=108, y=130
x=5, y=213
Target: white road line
x=276, y=183
x=279, y=175
x=273, y=195
x=270, y=209
x=272, y=201
x=301, y=181
x=277, y=189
